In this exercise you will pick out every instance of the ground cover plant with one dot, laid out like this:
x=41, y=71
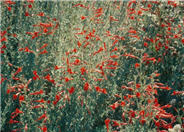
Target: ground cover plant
x=92, y=66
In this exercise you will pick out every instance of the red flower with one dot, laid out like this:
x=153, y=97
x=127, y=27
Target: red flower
x=36, y=75
x=83, y=17
x=104, y=91
x=132, y=113
x=21, y=98
x=182, y=41
x=138, y=85
x=26, y=14
x=86, y=86
x=123, y=103
x=76, y=62
x=13, y=121
x=31, y=1
x=132, y=31
x=149, y=5
x=138, y=94
x=9, y=8
x=79, y=44
x=139, y=12
x=14, y=97
x=115, y=123
x=114, y=106
x=107, y=121
x=43, y=52
x=37, y=93
x=39, y=101
x=41, y=117
x=137, y=65
x=97, y=88
x=141, y=113
x=44, y=129
x=18, y=70
x=67, y=79
x=71, y=90
x=30, y=6
x=83, y=70
x=142, y=121
x=145, y=44
x=114, y=56
x=41, y=14
x=14, y=114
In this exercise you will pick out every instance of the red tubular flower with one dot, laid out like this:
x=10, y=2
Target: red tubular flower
x=69, y=70
x=15, y=97
x=31, y=1
x=30, y=6
x=97, y=88
x=100, y=49
x=165, y=88
x=13, y=121
x=14, y=114
x=36, y=75
x=113, y=19
x=104, y=91
x=115, y=123
x=145, y=44
x=182, y=40
x=123, y=103
x=141, y=113
x=130, y=55
x=37, y=93
x=137, y=65
x=107, y=121
x=18, y=70
x=132, y=113
x=76, y=62
x=142, y=121
x=138, y=94
x=45, y=45
x=83, y=17
x=2, y=33
x=114, y=43
x=86, y=86
x=139, y=12
x=79, y=44
x=123, y=116
x=87, y=43
x=40, y=101
x=83, y=70
x=3, y=39
x=67, y=79
x=114, y=56
x=43, y=52
x=57, y=67
x=21, y=98
x=114, y=106
x=46, y=25
x=26, y=13
x=71, y=90
x=28, y=50
x=42, y=117
x=41, y=14
x=44, y=129
x=178, y=93
x=37, y=106
x=49, y=79
x=138, y=85
x=132, y=31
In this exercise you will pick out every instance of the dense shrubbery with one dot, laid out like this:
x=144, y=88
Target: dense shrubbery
x=92, y=66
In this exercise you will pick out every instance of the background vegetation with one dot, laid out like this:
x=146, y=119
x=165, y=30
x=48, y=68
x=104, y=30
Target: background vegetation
x=92, y=66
